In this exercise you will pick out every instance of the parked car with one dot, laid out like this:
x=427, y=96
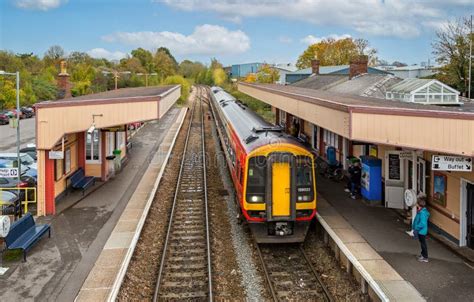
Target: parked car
x=25, y=170
x=8, y=200
x=27, y=112
x=4, y=118
x=25, y=159
x=14, y=114
x=30, y=149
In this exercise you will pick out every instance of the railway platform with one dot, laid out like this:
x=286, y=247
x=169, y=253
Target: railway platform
x=376, y=236
x=57, y=267
x=104, y=280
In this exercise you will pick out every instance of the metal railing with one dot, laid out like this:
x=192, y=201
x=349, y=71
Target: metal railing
x=29, y=196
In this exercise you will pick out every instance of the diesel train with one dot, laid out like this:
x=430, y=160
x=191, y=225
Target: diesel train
x=273, y=174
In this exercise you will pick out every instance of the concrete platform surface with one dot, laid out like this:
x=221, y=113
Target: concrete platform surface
x=106, y=276
x=56, y=268
x=445, y=278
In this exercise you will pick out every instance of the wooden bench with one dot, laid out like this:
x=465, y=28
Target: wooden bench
x=24, y=233
x=78, y=180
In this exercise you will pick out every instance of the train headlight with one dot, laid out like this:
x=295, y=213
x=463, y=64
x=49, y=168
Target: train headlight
x=304, y=198
x=256, y=198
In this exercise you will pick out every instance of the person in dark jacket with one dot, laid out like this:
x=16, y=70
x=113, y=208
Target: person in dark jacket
x=420, y=228
x=354, y=178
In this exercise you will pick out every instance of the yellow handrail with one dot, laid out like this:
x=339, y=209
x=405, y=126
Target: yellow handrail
x=26, y=201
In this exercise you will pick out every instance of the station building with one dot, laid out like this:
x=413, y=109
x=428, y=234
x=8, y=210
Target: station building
x=90, y=133
x=404, y=136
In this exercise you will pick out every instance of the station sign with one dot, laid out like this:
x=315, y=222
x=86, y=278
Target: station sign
x=56, y=155
x=451, y=163
x=406, y=155
x=9, y=172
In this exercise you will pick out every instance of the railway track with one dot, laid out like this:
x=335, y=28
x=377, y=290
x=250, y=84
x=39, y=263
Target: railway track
x=185, y=269
x=290, y=275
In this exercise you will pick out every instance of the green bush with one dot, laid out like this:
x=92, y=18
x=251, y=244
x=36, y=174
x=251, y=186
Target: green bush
x=185, y=87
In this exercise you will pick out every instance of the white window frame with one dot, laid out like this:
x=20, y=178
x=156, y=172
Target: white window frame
x=93, y=161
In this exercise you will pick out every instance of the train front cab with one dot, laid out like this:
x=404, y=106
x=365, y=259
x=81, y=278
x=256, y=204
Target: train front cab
x=279, y=195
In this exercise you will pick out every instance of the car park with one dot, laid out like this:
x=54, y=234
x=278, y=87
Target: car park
x=25, y=159
x=4, y=118
x=8, y=200
x=27, y=112
x=30, y=149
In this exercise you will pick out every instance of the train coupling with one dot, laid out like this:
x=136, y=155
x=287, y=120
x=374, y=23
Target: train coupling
x=283, y=229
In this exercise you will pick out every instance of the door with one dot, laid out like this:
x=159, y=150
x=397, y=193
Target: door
x=281, y=189
x=470, y=215
x=394, y=180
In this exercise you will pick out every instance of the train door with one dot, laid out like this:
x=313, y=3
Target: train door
x=281, y=186
x=470, y=215
x=281, y=203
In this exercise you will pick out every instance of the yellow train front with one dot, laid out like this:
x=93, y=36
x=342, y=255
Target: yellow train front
x=273, y=174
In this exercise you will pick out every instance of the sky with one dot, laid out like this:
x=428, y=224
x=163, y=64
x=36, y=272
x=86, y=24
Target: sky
x=233, y=31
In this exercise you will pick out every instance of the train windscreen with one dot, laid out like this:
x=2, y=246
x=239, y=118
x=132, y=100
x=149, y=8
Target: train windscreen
x=257, y=170
x=304, y=179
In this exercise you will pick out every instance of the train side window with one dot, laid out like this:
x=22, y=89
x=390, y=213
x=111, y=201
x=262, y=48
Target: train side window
x=304, y=179
x=256, y=175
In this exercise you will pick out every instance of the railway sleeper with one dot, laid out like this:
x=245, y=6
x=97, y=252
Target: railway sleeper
x=198, y=274
x=187, y=259
x=181, y=284
x=187, y=295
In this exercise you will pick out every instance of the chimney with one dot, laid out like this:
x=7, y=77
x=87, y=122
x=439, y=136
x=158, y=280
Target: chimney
x=64, y=86
x=358, y=65
x=315, y=66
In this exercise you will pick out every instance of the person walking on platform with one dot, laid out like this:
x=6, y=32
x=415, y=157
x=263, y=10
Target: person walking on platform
x=420, y=228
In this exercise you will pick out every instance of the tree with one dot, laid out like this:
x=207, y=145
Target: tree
x=251, y=78
x=145, y=57
x=53, y=55
x=267, y=74
x=219, y=77
x=185, y=86
x=190, y=69
x=164, y=64
x=335, y=52
x=168, y=52
x=451, y=49
x=215, y=64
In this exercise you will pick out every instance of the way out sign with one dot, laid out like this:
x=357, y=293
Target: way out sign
x=451, y=163
x=9, y=172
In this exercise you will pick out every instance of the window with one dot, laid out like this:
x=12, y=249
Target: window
x=304, y=179
x=58, y=169
x=93, y=146
x=67, y=161
x=119, y=139
x=331, y=139
x=257, y=170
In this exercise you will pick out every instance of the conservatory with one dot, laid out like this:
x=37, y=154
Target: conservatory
x=423, y=91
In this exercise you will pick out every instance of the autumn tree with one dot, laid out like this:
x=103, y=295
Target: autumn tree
x=145, y=57
x=451, y=49
x=219, y=77
x=165, y=65
x=336, y=52
x=54, y=55
x=267, y=74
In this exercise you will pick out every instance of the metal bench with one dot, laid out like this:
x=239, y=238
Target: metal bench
x=80, y=181
x=24, y=233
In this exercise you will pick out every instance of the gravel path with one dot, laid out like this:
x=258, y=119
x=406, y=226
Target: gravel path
x=246, y=256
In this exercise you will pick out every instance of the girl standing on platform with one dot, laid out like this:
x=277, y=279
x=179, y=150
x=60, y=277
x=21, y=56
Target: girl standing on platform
x=420, y=228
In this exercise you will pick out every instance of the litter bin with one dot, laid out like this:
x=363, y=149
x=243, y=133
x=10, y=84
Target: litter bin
x=117, y=160
x=111, y=164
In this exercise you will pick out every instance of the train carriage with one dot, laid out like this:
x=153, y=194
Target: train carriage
x=273, y=174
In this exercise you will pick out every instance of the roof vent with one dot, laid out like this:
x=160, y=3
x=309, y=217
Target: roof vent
x=250, y=138
x=267, y=129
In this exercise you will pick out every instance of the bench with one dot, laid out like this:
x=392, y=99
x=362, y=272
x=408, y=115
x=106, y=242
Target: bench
x=24, y=233
x=80, y=181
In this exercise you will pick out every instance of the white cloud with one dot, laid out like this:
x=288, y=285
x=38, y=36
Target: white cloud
x=400, y=18
x=100, y=53
x=205, y=40
x=43, y=5
x=310, y=39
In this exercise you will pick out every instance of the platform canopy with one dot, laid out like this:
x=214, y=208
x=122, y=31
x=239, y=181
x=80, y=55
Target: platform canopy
x=423, y=91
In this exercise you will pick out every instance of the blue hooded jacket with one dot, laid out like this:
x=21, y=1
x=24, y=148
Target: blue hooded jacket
x=420, y=224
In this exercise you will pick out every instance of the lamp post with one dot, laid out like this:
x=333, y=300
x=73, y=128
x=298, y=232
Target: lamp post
x=146, y=76
x=17, y=74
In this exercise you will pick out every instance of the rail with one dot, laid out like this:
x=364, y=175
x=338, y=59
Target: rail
x=285, y=268
x=187, y=199
x=29, y=196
